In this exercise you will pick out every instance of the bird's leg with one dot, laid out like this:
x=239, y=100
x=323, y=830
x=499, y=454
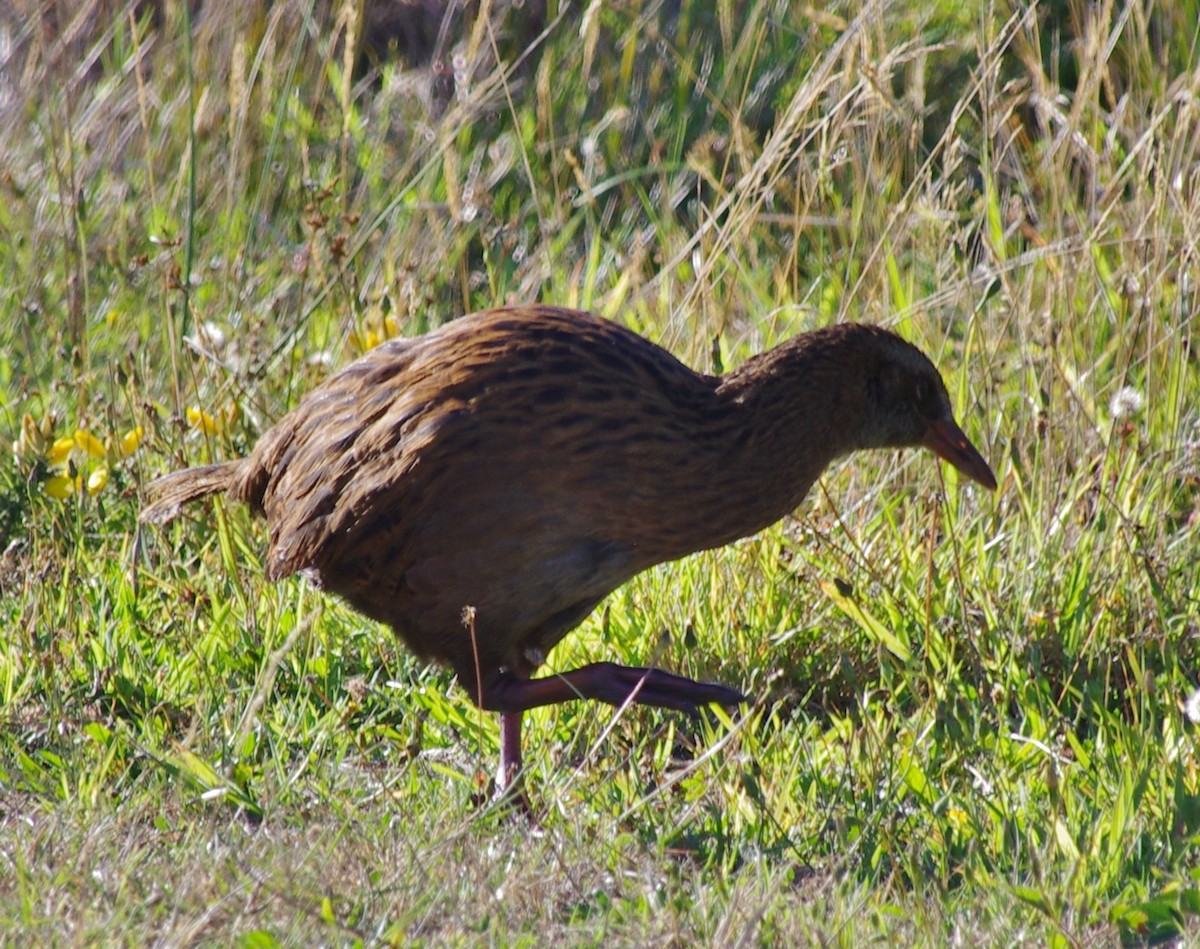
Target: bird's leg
x=604, y=682
x=511, y=695
x=508, y=774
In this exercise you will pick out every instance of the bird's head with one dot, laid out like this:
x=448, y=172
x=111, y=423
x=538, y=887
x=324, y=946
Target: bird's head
x=907, y=405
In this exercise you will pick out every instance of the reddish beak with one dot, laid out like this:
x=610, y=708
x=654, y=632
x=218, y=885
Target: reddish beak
x=946, y=440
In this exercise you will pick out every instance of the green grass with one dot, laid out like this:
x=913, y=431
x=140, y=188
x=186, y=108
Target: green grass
x=969, y=721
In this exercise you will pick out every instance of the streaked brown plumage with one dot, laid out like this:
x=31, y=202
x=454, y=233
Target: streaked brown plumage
x=525, y=461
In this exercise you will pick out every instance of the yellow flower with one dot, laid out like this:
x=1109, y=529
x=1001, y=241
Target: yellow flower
x=198, y=418
x=131, y=441
x=97, y=480
x=60, y=451
x=82, y=461
x=61, y=487
x=89, y=443
x=211, y=424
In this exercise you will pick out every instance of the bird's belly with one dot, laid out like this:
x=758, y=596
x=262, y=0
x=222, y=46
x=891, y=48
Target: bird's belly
x=478, y=599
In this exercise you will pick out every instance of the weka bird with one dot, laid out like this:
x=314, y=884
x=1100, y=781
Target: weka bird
x=482, y=488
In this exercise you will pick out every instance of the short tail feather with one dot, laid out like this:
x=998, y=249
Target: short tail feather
x=172, y=491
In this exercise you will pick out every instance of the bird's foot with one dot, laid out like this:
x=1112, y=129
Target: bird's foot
x=610, y=683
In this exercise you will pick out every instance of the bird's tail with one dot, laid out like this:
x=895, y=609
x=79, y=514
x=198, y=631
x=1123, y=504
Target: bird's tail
x=172, y=491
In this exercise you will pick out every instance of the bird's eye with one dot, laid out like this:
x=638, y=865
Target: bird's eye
x=925, y=396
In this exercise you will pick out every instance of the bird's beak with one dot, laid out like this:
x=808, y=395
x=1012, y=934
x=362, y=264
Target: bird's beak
x=946, y=440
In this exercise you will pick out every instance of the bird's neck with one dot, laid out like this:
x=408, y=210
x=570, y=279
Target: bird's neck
x=773, y=426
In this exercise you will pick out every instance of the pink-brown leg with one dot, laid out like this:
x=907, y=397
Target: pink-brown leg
x=511, y=695
x=508, y=774
x=604, y=682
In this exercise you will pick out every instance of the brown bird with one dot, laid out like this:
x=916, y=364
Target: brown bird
x=482, y=488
